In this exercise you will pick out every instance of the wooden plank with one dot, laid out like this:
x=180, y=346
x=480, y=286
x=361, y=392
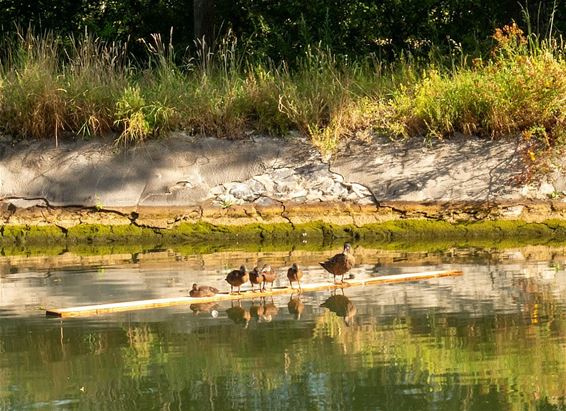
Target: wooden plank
x=90, y=310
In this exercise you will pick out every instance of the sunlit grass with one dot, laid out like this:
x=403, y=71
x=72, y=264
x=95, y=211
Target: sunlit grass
x=50, y=86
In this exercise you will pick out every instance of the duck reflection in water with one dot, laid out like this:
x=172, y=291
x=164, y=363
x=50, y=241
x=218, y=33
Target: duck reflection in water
x=342, y=306
x=239, y=315
x=265, y=311
x=205, y=308
x=270, y=310
x=296, y=306
x=256, y=311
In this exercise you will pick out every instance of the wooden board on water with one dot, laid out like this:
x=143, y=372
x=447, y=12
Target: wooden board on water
x=90, y=310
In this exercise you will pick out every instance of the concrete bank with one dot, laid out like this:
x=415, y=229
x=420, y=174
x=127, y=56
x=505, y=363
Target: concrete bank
x=193, y=189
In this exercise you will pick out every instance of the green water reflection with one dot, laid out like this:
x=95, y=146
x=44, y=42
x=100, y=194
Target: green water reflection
x=438, y=345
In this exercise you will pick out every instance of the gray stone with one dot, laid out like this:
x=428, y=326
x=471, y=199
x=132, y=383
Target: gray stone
x=325, y=185
x=227, y=200
x=266, y=181
x=360, y=190
x=240, y=191
x=298, y=193
x=282, y=173
x=255, y=186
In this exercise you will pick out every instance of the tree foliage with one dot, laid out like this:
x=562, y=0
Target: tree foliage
x=282, y=29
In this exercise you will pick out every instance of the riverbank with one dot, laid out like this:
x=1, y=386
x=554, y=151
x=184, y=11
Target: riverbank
x=191, y=189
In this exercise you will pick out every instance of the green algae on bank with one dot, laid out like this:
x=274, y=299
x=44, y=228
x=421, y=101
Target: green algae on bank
x=194, y=233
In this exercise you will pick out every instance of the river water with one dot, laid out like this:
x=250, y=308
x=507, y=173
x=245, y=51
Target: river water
x=491, y=339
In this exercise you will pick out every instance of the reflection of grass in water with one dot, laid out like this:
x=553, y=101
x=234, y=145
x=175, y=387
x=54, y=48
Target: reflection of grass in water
x=415, y=245
x=202, y=238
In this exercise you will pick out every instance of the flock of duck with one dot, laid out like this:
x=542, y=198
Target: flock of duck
x=338, y=265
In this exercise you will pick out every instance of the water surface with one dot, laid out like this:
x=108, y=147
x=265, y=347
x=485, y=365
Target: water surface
x=492, y=339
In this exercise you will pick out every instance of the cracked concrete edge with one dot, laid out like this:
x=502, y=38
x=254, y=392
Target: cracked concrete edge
x=338, y=214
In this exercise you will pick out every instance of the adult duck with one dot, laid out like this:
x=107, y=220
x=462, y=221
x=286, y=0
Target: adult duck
x=341, y=263
x=269, y=275
x=237, y=277
x=294, y=274
x=256, y=278
x=203, y=291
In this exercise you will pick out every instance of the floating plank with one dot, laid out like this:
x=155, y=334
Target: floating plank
x=90, y=310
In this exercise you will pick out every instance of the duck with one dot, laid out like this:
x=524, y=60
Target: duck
x=269, y=275
x=341, y=263
x=256, y=278
x=203, y=291
x=295, y=307
x=294, y=274
x=342, y=306
x=237, y=277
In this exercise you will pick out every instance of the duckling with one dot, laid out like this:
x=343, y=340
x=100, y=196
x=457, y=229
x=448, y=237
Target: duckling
x=239, y=315
x=269, y=275
x=256, y=278
x=341, y=263
x=296, y=307
x=342, y=307
x=203, y=291
x=237, y=277
x=295, y=274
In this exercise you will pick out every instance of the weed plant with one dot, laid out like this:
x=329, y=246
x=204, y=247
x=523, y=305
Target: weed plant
x=82, y=86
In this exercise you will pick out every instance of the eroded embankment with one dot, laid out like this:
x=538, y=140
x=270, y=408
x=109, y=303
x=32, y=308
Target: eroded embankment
x=387, y=222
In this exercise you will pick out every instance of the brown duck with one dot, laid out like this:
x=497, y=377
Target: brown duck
x=341, y=263
x=269, y=275
x=203, y=291
x=256, y=278
x=294, y=274
x=237, y=277
x=342, y=307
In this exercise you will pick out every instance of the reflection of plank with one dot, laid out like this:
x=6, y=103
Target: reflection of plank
x=89, y=310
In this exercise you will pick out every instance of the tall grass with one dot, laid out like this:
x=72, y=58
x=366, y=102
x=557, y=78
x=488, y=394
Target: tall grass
x=520, y=90
x=52, y=86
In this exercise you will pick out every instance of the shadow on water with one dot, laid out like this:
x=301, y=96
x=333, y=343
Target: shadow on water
x=492, y=339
